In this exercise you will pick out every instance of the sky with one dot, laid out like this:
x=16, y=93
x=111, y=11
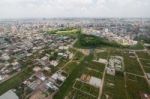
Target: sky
x=73, y=8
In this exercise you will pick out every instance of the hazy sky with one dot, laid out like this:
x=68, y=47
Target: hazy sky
x=74, y=8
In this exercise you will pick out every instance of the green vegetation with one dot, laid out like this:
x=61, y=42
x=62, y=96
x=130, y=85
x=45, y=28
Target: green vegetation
x=16, y=80
x=131, y=64
x=103, y=55
x=86, y=41
x=143, y=54
x=119, y=92
x=114, y=87
x=108, y=86
x=144, y=38
x=137, y=46
x=79, y=95
x=147, y=69
x=96, y=66
x=93, y=72
x=78, y=56
x=145, y=62
x=68, y=32
x=70, y=66
x=76, y=72
x=86, y=88
x=135, y=85
x=65, y=31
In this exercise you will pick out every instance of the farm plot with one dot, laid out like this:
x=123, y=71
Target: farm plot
x=75, y=94
x=103, y=55
x=114, y=87
x=145, y=62
x=135, y=85
x=143, y=54
x=86, y=88
x=97, y=66
x=131, y=64
x=68, y=69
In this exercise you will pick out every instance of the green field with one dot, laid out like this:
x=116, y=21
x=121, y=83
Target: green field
x=145, y=62
x=131, y=64
x=86, y=88
x=70, y=66
x=68, y=32
x=64, y=31
x=75, y=94
x=97, y=66
x=135, y=85
x=147, y=69
x=143, y=54
x=78, y=56
x=108, y=87
x=92, y=72
x=114, y=87
x=102, y=55
x=75, y=73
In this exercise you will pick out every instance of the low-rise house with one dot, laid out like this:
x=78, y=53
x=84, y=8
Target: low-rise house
x=40, y=75
x=5, y=56
x=54, y=63
x=52, y=86
x=37, y=69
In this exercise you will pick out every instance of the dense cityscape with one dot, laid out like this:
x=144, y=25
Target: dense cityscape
x=75, y=58
x=74, y=49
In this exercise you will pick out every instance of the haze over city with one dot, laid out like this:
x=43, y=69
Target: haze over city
x=73, y=8
x=74, y=49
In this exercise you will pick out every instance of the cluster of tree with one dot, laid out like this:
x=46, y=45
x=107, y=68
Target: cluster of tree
x=94, y=41
x=144, y=38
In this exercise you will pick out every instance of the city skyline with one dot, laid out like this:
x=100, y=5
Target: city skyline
x=74, y=8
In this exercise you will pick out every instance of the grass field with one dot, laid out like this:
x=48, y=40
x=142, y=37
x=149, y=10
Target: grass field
x=68, y=32
x=78, y=56
x=114, y=87
x=147, y=69
x=131, y=64
x=102, y=55
x=97, y=66
x=68, y=69
x=143, y=54
x=108, y=86
x=135, y=85
x=75, y=73
x=75, y=94
x=86, y=88
x=120, y=91
x=91, y=72
x=145, y=62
